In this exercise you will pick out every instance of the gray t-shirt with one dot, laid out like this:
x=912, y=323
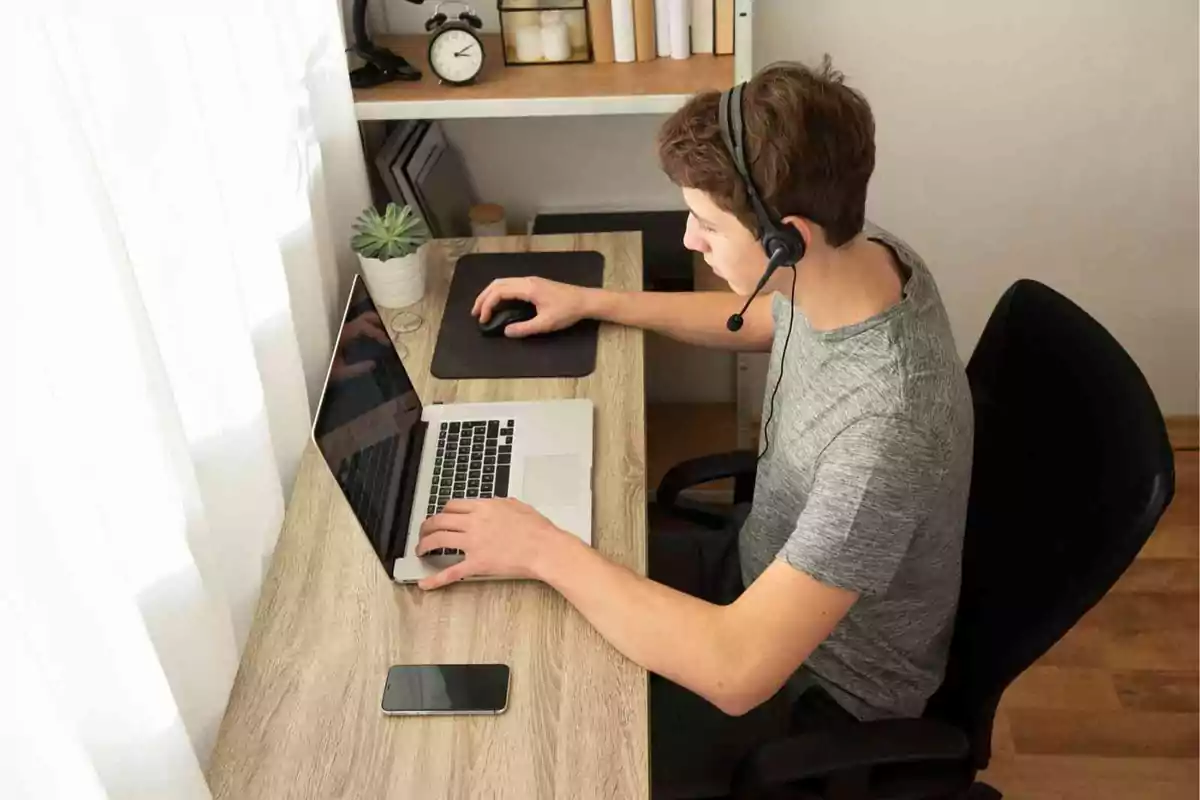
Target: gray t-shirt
x=865, y=488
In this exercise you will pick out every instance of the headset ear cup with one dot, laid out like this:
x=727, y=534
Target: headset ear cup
x=471, y=19
x=437, y=20
x=790, y=244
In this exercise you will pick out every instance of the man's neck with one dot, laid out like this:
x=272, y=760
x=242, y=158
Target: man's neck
x=841, y=286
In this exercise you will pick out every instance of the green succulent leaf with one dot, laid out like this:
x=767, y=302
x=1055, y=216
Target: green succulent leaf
x=398, y=232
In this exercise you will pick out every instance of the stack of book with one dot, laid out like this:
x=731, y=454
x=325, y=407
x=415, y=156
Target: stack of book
x=642, y=30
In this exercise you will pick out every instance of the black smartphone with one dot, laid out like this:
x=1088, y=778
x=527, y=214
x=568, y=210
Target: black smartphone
x=424, y=690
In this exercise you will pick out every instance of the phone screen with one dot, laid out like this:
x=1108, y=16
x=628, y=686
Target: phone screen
x=446, y=689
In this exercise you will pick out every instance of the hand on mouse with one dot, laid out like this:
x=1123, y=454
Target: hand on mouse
x=559, y=305
x=501, y=537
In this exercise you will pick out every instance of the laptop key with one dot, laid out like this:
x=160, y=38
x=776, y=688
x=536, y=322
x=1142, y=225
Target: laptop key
x=505, y=449
x=489, y=461
x=493, y=427
x=501, y=481
x=490, y=451
x=504, y=460
x=472, y=493
x=489, y=469
x=453, y=425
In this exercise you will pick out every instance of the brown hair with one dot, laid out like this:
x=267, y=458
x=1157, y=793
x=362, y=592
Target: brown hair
x=810, y=143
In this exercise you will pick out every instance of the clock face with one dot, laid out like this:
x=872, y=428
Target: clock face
x=455, y=55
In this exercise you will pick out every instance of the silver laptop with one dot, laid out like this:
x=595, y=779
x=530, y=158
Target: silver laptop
x=398, y=462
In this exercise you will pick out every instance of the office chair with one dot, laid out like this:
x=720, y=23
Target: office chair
x=1072, y=470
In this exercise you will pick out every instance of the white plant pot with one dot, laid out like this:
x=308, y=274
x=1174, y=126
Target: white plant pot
x=397, y=282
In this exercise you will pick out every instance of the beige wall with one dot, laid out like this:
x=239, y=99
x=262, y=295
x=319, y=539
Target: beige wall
x=1040, y=138
x=1054, y=139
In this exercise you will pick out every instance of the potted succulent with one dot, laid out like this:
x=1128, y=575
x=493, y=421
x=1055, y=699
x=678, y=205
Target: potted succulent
x=389, y=250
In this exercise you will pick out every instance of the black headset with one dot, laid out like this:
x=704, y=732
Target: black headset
x=782, y=243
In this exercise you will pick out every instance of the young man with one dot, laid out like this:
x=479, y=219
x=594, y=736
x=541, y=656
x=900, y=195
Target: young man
x=845, y=574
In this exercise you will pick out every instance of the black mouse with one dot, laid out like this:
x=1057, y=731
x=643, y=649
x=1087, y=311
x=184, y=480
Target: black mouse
x=506, y=313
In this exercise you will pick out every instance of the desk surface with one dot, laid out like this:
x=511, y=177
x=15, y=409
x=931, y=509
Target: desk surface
x=303, y=719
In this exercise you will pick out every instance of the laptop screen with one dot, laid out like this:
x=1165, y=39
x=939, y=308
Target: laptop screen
x=368, y=424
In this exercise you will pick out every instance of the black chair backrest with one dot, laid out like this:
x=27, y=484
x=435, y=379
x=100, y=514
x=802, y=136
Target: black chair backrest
x=1072, y=471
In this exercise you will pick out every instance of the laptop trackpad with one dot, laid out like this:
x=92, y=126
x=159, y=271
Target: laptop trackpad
x=553, y=480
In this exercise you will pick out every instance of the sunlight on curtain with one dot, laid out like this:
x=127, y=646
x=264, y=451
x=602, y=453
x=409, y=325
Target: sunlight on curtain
x=175, y=194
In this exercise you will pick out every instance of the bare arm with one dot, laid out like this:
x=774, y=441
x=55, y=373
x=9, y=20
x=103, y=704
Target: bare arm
x=735, y=656
x=693, y=317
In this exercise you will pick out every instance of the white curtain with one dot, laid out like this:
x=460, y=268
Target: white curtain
x=177, y=181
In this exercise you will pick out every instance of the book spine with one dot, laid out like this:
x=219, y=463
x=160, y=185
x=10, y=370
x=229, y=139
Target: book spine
x=643, y=29
x=662, y=24
x=624, y=46
x=702, y=26
x=681, y=36
x=600, y=20
x=723, y=27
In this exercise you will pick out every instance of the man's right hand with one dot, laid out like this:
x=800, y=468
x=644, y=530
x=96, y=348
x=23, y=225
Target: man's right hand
x=559, y=305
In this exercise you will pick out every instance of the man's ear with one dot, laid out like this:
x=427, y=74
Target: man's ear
x=803, y=226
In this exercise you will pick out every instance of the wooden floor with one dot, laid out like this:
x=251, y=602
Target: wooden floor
x=1111, y=712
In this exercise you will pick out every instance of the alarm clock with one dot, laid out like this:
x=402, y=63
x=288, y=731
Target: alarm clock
x=455, y=51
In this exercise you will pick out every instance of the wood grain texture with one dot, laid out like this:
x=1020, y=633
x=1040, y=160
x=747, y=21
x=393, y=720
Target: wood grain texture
x=1184, y=432
x=1158, y=690
x=1048, y=686
x=1051, y=777
x=497, y=82
x=1105, y=733
x=303, y=719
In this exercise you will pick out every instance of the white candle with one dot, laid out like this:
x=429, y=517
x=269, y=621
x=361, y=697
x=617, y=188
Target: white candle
x=529, y=43
x=556, y=37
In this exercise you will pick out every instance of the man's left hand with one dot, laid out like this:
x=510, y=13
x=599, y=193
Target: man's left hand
x=501, y=537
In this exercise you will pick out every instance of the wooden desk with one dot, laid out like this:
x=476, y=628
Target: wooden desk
x=304, y=720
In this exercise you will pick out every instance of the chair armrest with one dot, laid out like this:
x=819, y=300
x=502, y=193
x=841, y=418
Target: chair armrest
x=847, y=748
x=738, y=464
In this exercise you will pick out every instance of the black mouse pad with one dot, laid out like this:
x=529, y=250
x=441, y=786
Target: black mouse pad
x=463, y=352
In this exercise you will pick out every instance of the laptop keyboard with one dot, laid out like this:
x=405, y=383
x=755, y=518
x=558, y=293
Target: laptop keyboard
x=473, y=461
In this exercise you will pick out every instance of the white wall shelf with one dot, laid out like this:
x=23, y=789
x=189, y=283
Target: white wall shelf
x=650, y=87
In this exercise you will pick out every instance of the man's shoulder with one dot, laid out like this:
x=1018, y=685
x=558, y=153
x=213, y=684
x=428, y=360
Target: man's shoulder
x=899, y=246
